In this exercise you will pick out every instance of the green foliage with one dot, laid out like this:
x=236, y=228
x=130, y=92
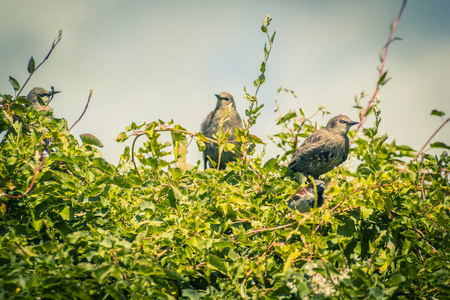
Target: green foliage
x=73, y=225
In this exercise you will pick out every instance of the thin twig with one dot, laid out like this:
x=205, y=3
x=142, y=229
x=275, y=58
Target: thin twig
x=269, y=229
x=55, y=42
x=85, y=108
x=431, y=137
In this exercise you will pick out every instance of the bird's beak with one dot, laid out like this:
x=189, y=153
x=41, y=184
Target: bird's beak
x=351, y=123
x=54, y=92
x=217, y=95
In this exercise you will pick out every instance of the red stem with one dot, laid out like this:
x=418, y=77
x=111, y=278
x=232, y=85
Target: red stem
x=381, y=70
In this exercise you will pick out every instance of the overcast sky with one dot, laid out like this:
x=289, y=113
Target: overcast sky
x=150, y=60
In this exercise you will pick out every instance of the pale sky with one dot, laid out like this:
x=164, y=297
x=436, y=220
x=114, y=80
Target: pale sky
x=150, y=60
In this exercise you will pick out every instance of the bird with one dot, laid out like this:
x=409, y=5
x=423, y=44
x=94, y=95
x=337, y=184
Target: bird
x=304, y=199
x=44, y=95
x=210, y=126
x=323, y=150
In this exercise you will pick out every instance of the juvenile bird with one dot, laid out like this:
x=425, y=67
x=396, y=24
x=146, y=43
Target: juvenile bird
x=324, y=149
x=210, y=126
x=43, y=94
x=304, y=199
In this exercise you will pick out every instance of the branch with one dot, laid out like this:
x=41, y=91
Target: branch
x=55, y=42
x=269, y=229
x=381, y=74
x=85, y=108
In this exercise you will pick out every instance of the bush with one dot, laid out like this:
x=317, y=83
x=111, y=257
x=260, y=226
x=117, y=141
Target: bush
x=75, y=226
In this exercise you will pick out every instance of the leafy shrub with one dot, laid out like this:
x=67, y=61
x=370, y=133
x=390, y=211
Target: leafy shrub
x=75, y=226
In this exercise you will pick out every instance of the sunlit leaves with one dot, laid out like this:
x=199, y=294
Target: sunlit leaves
x=90, y=139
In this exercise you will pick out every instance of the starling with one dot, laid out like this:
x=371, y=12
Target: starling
x=324, y=149
x=43, y=94
x=210, y=126
x=304, y=199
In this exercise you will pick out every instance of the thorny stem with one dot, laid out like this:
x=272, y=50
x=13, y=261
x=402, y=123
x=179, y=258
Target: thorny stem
x=385, y=49
x=85, y=108
x=55, y=42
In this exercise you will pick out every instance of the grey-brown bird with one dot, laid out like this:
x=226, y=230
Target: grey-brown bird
x=44, y=95
x=324, y=149
x=210, y=126
x=305, y=198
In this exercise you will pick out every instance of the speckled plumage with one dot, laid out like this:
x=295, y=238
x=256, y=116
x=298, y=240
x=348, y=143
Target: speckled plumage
x=304, y=199
x=210, y=126
x=323, y=150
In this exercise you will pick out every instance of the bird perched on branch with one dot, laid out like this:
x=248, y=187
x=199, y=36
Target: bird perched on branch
x=210, y=126
x=39, y=98
x=304, y=199
x=324, y=149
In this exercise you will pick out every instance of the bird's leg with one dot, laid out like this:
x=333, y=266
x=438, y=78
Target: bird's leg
x=315, y=190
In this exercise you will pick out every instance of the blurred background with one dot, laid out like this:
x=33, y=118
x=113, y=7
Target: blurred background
x=150, y=60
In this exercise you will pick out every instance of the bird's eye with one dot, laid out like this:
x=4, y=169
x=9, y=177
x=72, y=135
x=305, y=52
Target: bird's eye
x=225, y=98
x=342, y=121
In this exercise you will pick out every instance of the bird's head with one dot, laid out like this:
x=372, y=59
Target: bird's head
x=39, y=97
x=224, y=99
x=340, y=124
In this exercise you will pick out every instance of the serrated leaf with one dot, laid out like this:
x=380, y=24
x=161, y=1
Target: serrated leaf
x=31, y=65
x=90, y=139
x=439, y=145
x=438, y=113
x=14, y=83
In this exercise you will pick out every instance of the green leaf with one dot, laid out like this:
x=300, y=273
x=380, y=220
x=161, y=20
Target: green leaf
x=438, y=113
x=171, y=274
x=200, y=145
x=102, y=273
x=90, y=139
x=66, y=213
x=31, y=65
x=217, y=263
x=191, y=294
x=439, y=145
x=40, y=100
x=396, y=279
x=287, y=117
x=273, y=37
x=14, y=83
x=122, y=137
x=34, y=136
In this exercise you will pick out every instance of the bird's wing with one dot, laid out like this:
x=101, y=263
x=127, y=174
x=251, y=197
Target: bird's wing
x=314, y=148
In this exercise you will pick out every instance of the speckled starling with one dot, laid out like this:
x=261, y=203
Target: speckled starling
x=43, y=94
x=210, y=126
x=324, y=149
x=304, y=199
